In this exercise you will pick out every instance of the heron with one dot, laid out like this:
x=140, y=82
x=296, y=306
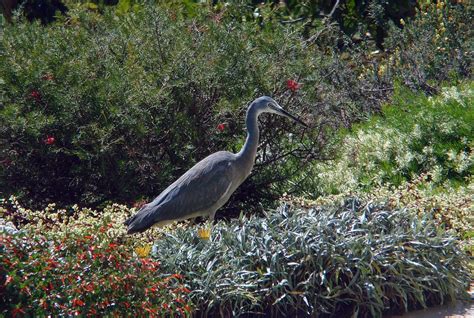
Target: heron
x=208, y=185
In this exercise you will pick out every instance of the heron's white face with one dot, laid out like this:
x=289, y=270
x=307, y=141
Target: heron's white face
x=267, y=104
x=274, y=108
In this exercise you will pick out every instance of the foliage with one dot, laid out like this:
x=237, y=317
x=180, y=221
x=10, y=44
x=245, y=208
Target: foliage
x=416, y=135
x=130, y=106
x=85, y=270
x=355, y=251
x=451, y=207
x=358, y=19
x=357, y=259
x=108, y=103
x=59, y=223
x=433, y=47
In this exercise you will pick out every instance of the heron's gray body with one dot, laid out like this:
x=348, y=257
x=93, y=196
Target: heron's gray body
x=188, y=197
x=208, y=185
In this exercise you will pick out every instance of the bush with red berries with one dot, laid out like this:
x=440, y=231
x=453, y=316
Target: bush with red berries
x=90, y=274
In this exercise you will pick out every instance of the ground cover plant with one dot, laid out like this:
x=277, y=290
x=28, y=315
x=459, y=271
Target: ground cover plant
x=356, y=259
x=450, y=206
x=328, y=257
x=85, y=269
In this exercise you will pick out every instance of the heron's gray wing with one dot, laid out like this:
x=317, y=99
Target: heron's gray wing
x=199, y=189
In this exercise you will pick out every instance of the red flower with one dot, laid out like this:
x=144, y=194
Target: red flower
x=36, y=95
x=44, y=304
x=113, y=245
x=8, y=280
x=221, y=127
x=52, y=263
x=89, y=287
x=78, y=303
x=50, y=140
x=151, y=311
x=177, y=276
x=293, y=85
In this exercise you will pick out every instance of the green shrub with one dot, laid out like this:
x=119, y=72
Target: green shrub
x=357, y=259
x=433, y=47
x=105, y=106
x=91, y=274
x=416, y=135
x=115, y=103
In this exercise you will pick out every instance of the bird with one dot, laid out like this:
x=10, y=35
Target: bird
x=208, y=185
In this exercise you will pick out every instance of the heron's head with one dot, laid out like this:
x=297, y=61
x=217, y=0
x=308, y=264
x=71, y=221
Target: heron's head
x=267, y=104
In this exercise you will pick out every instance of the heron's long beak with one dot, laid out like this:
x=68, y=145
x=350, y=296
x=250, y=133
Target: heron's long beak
x=287, y=114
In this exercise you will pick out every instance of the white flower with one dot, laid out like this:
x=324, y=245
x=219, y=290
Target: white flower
x=427, y=150
x=416, y=132
x=463, y=161
x=451, y=155
x=436, y=173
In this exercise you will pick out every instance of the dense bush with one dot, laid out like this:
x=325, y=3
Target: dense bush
x=357, y=259
x=112, y=104
x=432, y=48
x=416, y=135
x=83, y=274
x=104, y=106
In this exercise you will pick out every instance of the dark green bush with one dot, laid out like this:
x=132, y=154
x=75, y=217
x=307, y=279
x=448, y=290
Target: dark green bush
x=114, y=104
x=354, y=260
x=107, y=106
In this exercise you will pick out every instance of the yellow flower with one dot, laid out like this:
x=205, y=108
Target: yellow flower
x=143, y=251
x=204, y=234
x=381, y=70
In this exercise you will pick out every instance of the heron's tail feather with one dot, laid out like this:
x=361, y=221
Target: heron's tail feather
x=129, y=220
x=141, y=221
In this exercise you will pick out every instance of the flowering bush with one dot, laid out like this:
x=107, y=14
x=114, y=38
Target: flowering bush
x=432, y=47
x=87, y=272
x=417, y=135
x=60, y=223
x=89, y=116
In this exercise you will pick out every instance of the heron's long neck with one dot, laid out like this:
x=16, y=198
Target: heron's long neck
x=248, y=152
